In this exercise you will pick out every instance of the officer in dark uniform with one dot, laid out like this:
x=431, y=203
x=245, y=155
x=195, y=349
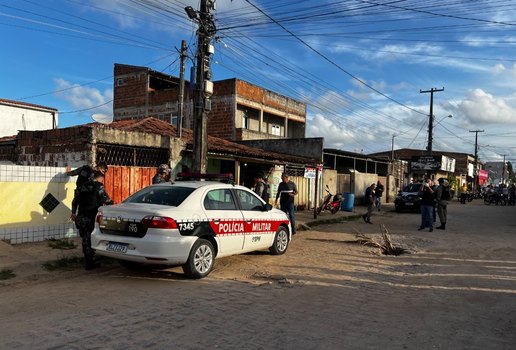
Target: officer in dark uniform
x=163, y=175
x=88, y=198
x=85, y=173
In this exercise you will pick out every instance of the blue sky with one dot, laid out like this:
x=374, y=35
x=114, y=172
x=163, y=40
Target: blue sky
x=359, y=65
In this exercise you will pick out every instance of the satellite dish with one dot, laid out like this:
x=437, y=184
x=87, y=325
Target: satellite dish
x=102, y=118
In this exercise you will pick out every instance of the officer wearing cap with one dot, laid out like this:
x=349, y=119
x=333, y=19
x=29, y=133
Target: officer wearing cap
x=163, y=175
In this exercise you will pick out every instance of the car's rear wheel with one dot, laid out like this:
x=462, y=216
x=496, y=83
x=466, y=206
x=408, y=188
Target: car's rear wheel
x=201, y=259
x=281, y=241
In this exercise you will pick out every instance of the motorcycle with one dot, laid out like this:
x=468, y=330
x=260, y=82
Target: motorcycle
x=495, y=198
x=330, y=202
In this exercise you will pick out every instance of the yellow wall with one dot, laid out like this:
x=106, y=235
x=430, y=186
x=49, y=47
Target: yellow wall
x=19, y=203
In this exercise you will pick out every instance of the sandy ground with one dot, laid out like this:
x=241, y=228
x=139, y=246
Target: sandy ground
x=457, y=290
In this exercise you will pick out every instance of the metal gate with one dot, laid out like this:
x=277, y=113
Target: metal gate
x=122, y=181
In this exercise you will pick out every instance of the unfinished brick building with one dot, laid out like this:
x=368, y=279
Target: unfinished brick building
x=240, y=110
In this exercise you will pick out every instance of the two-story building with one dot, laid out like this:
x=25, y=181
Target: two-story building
x=239, y=110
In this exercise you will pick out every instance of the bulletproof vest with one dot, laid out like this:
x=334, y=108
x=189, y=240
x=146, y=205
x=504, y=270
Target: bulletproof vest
x=88, y=196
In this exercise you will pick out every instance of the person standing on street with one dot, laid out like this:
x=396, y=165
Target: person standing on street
x=261, y=188
x=427, y=206
x=369, y=200
x=286, y=192
x=463, y=193
x=89, y=197
x=442, y=195
x=378, y=192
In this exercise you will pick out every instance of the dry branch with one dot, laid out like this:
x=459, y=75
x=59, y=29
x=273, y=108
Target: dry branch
x=385, y=245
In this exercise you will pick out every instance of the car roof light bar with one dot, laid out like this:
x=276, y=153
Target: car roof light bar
x=226, y=177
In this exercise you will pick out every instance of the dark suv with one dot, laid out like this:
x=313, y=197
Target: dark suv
x=409, y=198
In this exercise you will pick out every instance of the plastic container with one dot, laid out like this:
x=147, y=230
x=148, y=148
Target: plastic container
x=349, y=202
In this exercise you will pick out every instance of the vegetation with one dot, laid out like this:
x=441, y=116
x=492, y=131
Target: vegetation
x=65, y=263
x=63, y=243
x=6, y=274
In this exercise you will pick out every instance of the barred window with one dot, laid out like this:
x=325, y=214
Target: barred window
x=131, y=156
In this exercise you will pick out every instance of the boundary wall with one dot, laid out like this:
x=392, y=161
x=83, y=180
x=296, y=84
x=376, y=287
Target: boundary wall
x=22, y=190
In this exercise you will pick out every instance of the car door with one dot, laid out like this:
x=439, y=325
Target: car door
x=260, y=228
x=225, y=220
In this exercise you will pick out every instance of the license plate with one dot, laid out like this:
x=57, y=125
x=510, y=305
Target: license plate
x=409, y=203
x=117, y=247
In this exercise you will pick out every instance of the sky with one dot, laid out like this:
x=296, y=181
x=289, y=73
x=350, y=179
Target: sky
x=360, y=66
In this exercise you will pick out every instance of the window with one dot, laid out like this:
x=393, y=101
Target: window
x=219, y=200
x=166, y=195
x=249, y=201
x=276, y=130
x=245, y=122
x=119, y=82
x=173, y=120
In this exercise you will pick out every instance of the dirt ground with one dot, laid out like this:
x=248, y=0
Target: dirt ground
x=456, y=290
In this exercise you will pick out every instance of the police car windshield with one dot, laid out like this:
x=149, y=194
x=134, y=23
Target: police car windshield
x=171, y=196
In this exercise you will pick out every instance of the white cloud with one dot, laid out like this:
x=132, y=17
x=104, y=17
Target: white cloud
x=501, y=69
x=480, y=107
x=83, y=97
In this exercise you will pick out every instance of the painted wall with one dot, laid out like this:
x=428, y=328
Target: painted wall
x=15, y=119
x=22, y=189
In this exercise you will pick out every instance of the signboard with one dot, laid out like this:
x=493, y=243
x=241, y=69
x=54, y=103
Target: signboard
x=433, y=163
x=279, y=168
x=425, y=163
x=448, y=164
x=310, y=173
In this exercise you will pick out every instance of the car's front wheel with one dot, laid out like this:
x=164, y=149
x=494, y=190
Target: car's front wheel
x=201, y=259
x=281, y=241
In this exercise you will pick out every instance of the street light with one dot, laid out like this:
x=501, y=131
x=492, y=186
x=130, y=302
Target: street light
x=443, y=118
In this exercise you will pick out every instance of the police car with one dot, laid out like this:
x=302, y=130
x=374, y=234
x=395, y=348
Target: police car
x=189, y=224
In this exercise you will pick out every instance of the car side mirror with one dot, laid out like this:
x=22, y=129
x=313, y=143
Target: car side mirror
x=267, y=207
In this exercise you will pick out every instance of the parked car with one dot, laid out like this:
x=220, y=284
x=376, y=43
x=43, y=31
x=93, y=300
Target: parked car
x=189, y=224
x=409, y=198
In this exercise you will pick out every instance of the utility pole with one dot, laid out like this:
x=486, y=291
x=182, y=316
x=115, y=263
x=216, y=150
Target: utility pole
x=431, y=119
x=181, y=103
x=475, y=174
x=203, y=86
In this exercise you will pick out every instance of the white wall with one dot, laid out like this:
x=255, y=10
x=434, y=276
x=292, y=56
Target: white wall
x=15, y=118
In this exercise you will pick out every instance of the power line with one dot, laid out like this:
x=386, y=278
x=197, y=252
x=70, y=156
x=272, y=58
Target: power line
x=333, y=63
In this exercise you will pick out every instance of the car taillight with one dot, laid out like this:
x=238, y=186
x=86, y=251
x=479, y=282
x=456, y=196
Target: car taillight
x=159, y=222
x=98, y=219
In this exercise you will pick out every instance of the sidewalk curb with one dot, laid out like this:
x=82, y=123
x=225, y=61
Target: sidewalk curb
x=308, y=225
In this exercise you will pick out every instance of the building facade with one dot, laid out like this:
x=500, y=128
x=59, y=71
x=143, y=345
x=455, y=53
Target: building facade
x=239, y=110
x=18, y=116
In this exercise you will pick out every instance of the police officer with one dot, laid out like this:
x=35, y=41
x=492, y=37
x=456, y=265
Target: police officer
x=85, y=172
x=163, y=175
x=89, y=197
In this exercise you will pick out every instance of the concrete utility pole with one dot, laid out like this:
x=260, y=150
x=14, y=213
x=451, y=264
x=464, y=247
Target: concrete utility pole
x=203, y=86
x=431, y=119
x=181, y=97
x=475, y=174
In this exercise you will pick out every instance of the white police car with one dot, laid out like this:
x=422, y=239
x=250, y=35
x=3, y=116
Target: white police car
x=189, y=224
